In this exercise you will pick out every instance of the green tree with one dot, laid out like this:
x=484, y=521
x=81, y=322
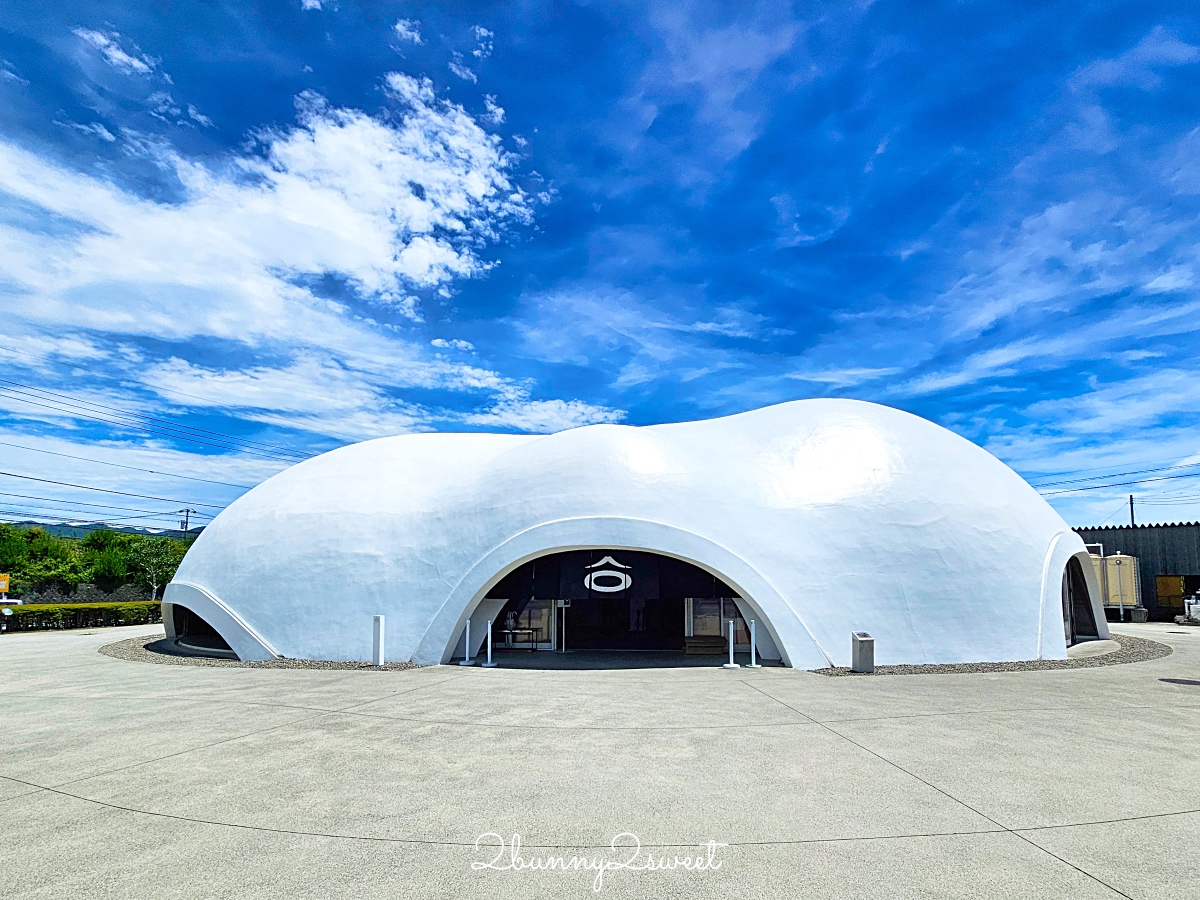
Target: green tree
x=14, y=553
x=108, y=557
x=157, y=559
x=49, y=561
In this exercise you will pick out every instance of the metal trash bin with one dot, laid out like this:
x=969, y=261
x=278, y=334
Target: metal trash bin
x=862, y=652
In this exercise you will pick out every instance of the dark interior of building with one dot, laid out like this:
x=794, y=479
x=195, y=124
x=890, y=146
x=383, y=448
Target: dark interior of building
x=615, y=600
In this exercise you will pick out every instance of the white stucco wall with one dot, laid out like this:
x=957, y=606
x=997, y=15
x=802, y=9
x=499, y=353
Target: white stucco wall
x=828, y=516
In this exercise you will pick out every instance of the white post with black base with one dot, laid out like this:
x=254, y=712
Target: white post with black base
x=731, y=664
x=489, y=664
x=466, y=660
x=753, y=664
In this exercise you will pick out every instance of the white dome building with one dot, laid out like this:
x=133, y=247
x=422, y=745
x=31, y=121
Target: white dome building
x=816, y=519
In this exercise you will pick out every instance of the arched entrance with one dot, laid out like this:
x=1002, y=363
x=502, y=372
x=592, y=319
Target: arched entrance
x=779, y=621
x=1079, y=619
x=195, y=636
x=616, y=600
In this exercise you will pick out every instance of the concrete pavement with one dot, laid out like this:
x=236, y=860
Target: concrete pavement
x=123, y=779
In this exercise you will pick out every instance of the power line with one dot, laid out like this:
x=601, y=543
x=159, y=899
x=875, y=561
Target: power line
x=107, y=491
x=1096, y=487
x=1140, y=462
x=125, y=419
x=79, y=504
x=104, y=462
x=66, y=518
x=158, y=432
x=1119, y=474
x=1113, y=513
x=28, y=520
x=68, y=398
x=157, y=388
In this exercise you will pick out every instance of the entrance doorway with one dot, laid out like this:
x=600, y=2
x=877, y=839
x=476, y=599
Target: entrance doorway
x=1079, y=623
x=615, y=600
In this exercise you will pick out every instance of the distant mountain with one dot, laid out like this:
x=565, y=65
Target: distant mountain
x=82, y=529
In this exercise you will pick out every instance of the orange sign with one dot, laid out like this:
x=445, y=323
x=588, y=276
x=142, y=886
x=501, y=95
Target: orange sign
x=3, y=584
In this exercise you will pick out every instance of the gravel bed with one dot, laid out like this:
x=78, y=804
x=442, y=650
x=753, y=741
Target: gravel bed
x=156, y=649
x=1133, y=649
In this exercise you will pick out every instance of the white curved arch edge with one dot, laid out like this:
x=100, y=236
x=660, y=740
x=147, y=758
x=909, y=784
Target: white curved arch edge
x=240, y=637
x=1065, y=546
x=790, y=635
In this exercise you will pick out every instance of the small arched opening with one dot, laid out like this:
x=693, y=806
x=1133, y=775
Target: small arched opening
x=196, y=637
x=1079, y=619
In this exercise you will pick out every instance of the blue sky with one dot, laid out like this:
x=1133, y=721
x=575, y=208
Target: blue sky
x=303, y=223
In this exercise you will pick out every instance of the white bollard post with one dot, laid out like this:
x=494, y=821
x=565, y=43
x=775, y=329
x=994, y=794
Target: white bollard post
x=489, y=664
x=466, y=660
x=377, y=649
x=754, y=664
x=731, y=664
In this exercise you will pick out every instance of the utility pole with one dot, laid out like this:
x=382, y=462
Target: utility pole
x=187, y=516
x=1131, y=522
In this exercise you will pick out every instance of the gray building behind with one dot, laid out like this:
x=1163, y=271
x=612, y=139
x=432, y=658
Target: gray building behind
x=1161, y=550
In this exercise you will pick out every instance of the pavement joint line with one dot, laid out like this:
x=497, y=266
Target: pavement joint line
x=348, y=710
x=807, y=718
x=999, y=829
x=962, y=803
x=36, y=790
x=1164, y=815
x=984, y=712
x=227, y=740
x=175, y=698
x=519, y=725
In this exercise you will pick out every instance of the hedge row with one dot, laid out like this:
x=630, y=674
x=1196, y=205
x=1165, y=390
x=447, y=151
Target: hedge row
x=45, y=616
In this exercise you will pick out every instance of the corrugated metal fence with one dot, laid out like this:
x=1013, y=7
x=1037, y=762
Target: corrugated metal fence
x=1161, y=550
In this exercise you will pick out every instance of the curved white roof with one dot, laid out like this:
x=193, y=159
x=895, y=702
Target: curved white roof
x=828, y=516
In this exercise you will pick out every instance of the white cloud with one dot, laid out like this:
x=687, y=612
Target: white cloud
x=116, y=465
x=8, y=73
x=483, y=42
x=1043, y=454
x=804, y=222
x=721, y=63
x=310, y=392
x=95, y=129
x=41, y=352
x=494, y=112
x=198, y=117
x=595, y=325
x=408, y=30
x=452, y=344
x=1176, y=279
x=310, y=4
x=1137, y=67
x=843, y=377
x=1061, y=347
x=108, y=44
x=457, y=67
x=544, y=416
x=162, y=105
x=391, y=205
x=1144, y=400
